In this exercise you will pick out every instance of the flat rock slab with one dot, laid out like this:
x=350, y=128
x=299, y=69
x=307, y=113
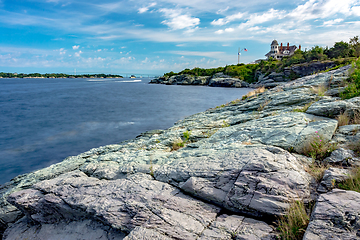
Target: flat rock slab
x=336, y=216
x=257, y=181
x=79, y=230
x=287, y=130
x=121, y=204
x=237, y=227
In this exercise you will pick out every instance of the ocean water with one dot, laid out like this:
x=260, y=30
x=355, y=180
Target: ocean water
x=43, y=121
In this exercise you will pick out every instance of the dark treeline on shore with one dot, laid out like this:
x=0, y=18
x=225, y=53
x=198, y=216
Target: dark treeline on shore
x=56, y=75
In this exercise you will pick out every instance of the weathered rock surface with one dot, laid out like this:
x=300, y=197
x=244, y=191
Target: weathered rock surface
x=122, y=204
x=336, y=216
x=343, y=157
x=232, y=178
x=255, y=181
x=236, y=227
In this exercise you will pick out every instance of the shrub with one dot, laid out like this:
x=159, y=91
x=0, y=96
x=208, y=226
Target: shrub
x=318, y=149
x=186, y=135
x=294, y=223
x=353, y=88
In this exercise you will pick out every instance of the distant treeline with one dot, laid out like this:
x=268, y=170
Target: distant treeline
x=341, y=53
x=56, y=75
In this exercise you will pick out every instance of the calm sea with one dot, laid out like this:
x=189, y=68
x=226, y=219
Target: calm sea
x=42, y=121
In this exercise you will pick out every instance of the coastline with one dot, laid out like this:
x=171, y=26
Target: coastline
x=243, y=158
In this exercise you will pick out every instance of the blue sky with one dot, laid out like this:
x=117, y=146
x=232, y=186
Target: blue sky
x=153, y=37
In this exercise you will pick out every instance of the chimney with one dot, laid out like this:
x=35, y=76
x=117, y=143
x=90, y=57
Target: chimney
x=300, y=47
x=288, y=46
x=281, y=48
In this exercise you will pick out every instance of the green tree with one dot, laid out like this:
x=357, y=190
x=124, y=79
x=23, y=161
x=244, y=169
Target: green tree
x=340, y=50
x=355, y=46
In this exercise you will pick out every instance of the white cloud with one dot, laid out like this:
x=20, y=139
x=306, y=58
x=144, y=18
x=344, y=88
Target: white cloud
x=320, y=9
x=229, y=30
x=231, y=18
x=355, y=10
x=268, y=16
x=77, y=54
x=220, y=11
x=145, y=9
x=62, y=51
x=75, y=47
x=332, y=22
x=201, y=54
x=177, y=20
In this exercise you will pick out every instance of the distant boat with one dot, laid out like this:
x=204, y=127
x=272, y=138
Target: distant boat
x=132, y=76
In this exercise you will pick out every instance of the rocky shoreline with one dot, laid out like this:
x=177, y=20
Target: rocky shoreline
x=268, y=80
x=226, y=173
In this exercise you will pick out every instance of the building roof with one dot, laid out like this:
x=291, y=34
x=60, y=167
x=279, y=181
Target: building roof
x=274, y=42
x=282, y=52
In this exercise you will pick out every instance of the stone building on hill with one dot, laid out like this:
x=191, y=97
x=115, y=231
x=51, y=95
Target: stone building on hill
x=278, y=52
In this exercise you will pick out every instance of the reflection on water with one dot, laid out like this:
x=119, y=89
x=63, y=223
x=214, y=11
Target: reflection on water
x=45, y=120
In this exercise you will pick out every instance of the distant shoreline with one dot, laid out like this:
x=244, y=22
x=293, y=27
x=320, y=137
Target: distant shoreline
x=59, y=77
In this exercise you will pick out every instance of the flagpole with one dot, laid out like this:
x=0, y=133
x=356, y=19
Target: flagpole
x=239, y=53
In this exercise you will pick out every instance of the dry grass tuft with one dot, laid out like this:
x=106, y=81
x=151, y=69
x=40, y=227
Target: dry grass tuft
x=254, y=92
x=320, y=90
x=343, y=119
x=263, y=105
x=247, y=143
x=177, y=145
x=317, y=170
x=294, y=223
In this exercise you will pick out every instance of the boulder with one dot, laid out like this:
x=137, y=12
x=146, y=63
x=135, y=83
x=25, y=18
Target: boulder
x=332, y=177
x=121, y=204
x=256, y=181
x=335, y=216
x=344, y=157
x=227, y=82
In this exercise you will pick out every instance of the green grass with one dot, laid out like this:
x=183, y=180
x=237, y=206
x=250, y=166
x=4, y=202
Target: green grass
x=292, y=226
x=353, y=182
x=353, y=87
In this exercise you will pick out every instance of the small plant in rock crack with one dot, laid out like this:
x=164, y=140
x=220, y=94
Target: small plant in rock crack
x=318, y=149
x=225, y=124
x=179, y=143
x=353, y=182
x=186, y=135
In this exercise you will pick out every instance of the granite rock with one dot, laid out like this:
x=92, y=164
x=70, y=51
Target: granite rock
x=336, y=216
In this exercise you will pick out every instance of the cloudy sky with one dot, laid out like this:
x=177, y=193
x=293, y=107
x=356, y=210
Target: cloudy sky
x=153, y=37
